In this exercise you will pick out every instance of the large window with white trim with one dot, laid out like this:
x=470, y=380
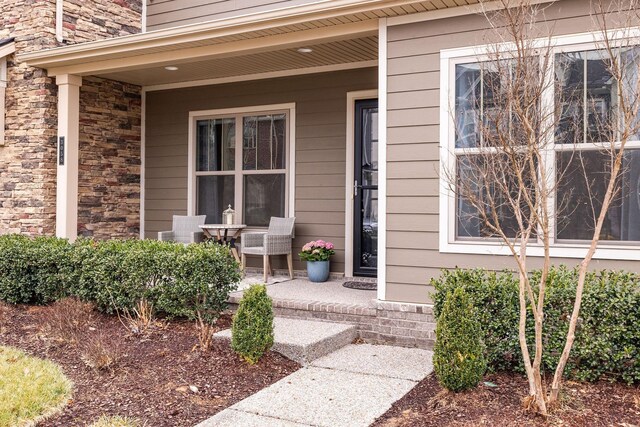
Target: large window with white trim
x=241, y=159
x=587, y=94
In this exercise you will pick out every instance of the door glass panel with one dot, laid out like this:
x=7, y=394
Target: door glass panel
x=215, y=148
x=215, y=193
x=369, y=147
x=366, y=194
x=369, y=235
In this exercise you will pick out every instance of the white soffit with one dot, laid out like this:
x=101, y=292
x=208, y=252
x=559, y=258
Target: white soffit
x=363, y=50
x=219, y=48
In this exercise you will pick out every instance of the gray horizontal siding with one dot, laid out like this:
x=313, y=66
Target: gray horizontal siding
x=320, y=147
x=413, y=147
x=172, y=13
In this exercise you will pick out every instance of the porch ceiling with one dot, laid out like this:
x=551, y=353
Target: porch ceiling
x=361, y=51
x=339, y=31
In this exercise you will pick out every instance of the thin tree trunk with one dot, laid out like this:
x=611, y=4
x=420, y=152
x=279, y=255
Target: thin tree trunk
x=582, y=274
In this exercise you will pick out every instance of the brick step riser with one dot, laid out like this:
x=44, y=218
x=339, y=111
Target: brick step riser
x=376, y=326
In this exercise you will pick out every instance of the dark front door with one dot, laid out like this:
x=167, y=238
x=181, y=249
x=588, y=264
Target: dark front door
x=365, y=230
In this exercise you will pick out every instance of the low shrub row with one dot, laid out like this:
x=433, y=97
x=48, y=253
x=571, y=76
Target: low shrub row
x=191, y=281
x=607, y=344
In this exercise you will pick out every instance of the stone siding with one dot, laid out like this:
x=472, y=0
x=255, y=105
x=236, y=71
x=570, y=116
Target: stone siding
x=27, y=159
x=100, y=19
x=109, y=174
x=28, y=156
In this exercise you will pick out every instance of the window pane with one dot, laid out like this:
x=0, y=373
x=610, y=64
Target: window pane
x=264, y=197
x=584, y=77
x=264, y=142
x=581, y=191
x=467, y=105
x=215, y=146
x=630, y=60
x=477, y=188
x=215, y=194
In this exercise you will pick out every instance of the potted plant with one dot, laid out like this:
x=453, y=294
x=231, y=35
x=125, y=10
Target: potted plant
x=317, y=254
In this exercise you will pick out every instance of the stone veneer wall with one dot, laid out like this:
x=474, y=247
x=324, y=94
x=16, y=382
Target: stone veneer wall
x=100, y=19
x=27, y=159
x=109, y=174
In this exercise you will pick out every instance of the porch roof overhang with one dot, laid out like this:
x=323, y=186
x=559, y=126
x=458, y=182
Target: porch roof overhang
x=340, y=32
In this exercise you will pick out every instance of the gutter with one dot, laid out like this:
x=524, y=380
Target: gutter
x=166, y=39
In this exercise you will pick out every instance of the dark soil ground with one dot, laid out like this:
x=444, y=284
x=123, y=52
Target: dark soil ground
x=582, y=404
x=151, y=378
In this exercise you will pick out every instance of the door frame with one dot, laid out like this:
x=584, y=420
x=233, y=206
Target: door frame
x=352, y=97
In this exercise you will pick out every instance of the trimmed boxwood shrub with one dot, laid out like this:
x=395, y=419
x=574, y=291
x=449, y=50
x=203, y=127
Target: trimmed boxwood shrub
x=199, y=280
x=458, y=358
x=252, y=329
x=33, y=270
x=179, y=280
x=607, y=344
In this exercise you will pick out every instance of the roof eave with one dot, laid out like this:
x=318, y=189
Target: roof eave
x=137, y=44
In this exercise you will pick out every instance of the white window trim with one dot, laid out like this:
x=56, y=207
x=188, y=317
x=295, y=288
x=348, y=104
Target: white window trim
x=289, y=171
x=447, y=239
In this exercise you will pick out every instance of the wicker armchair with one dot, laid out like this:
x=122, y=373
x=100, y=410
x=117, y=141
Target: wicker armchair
x=185, y=229
x=276, y=241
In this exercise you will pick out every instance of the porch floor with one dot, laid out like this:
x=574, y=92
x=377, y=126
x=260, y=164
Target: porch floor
x=300, y=289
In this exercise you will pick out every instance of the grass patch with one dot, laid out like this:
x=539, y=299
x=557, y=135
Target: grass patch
x=31, y=389
x=116, y=421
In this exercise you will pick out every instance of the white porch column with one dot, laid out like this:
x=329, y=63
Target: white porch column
x=67, y=158
x=382, y=159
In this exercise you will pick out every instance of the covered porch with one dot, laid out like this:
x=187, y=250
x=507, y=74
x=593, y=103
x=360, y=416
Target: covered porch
x=216, y=95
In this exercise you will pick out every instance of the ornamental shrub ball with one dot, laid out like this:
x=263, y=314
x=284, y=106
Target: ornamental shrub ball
x=252, y=328
x=458, y=357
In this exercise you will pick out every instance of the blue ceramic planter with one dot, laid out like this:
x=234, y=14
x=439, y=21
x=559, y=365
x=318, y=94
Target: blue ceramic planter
x=318, y=271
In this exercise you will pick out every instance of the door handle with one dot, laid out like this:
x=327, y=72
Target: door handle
x=355, y=187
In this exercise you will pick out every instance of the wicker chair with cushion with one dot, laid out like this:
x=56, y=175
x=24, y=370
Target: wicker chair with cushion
x=185, y=229
x=276, y=241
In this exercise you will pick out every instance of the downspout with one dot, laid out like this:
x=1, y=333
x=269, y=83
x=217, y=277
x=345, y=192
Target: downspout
x=144, y=16
x=3, y=89
x=59, y=20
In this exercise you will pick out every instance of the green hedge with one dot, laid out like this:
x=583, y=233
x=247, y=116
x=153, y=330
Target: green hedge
x=33, y=271
x=607, y=344
x=179, y=280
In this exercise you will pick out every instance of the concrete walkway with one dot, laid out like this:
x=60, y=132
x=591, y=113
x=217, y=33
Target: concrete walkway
x=349, y=387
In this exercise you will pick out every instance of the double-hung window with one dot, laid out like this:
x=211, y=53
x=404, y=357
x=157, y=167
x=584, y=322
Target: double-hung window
x=580, y=151
x=241, y=158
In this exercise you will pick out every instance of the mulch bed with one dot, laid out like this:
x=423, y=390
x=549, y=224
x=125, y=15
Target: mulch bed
x=151, y=380
x=582, y=404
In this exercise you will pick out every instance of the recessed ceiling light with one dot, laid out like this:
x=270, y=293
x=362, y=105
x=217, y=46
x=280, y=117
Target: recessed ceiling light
x=171, y=68
x=305, y=50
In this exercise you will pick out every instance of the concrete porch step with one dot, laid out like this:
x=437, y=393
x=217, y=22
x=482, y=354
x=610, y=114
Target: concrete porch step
x=305, y=340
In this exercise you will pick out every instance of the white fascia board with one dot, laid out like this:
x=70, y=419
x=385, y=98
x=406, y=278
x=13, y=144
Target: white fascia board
x=7, y=49
x=432, y=15
x=165, y=38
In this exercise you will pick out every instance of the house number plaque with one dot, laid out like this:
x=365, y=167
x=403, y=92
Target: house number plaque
x=61, y=151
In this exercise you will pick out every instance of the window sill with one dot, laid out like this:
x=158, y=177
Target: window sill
x=577, y=251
